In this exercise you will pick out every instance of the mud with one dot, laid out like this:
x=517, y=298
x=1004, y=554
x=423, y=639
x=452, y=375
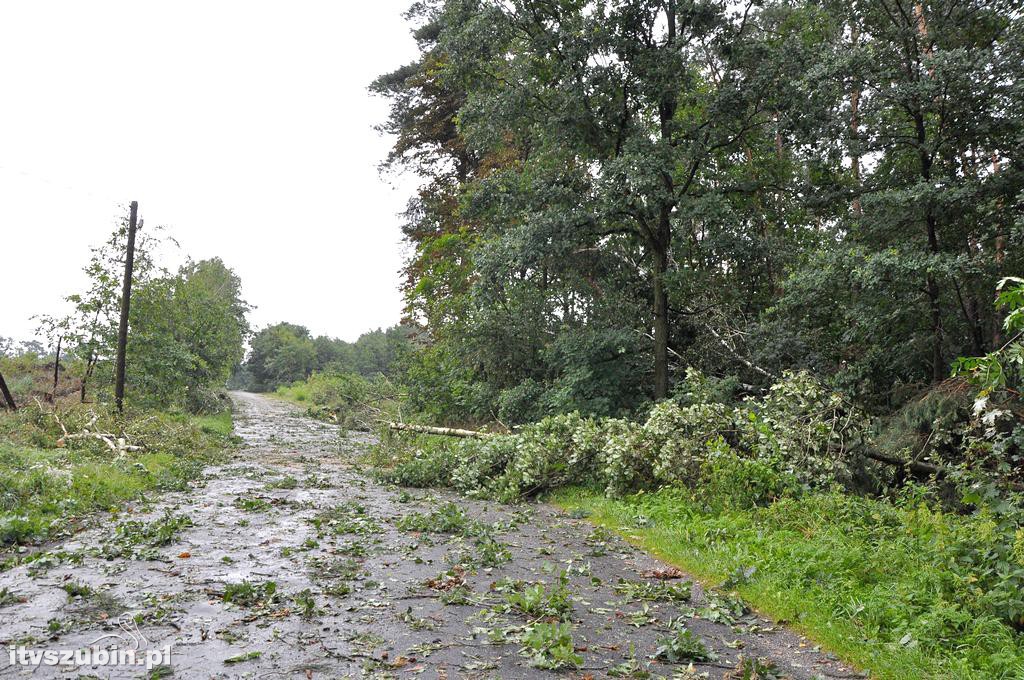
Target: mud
x=363, y=584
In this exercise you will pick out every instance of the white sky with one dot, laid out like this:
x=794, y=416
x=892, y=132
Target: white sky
x=244, y=127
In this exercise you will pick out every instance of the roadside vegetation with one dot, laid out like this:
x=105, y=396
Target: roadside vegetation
x=902, y=589
x=348, y=399
x=66, y=453
x=52, y=485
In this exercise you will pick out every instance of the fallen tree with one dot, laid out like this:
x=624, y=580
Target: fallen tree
x=429, y=429
x=917, y=467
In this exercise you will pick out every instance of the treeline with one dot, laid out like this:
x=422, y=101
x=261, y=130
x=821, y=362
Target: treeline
x=284, y=353
x=616, y=191
x=186, y=331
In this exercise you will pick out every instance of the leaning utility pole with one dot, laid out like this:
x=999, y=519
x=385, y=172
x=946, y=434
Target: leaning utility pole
x=7, y=395
x=126, y=295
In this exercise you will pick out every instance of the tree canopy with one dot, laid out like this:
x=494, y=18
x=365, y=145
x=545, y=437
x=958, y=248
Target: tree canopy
x=285, y=352
x=616, y=191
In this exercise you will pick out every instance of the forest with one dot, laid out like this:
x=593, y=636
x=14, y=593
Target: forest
x=616, y=192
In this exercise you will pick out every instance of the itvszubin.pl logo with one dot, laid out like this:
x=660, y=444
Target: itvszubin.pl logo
x=89, y=656
x=120, y=650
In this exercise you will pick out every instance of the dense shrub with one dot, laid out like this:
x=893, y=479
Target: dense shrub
x=554, y=452
x=480, y=465
x=805, y=429
x=420, y=463
x=728, y=480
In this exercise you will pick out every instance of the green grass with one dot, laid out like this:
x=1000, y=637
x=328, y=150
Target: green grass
x=298, y=392
x=347, y=399
x=220, y=423
x=46, y=491
x=867, y=579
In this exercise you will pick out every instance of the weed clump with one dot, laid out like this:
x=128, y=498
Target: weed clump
x=657, y=591
x=349, y=517
x=139, y=540
x=550, y=646
x=252, y=595
x=681, y=646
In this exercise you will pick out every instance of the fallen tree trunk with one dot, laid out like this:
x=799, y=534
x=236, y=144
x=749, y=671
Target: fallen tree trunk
x=912, y=465
x=428, y=429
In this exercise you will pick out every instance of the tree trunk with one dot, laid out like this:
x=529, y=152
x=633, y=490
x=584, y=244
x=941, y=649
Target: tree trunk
x=935, y=304
x=429, y=429
x=855, y=126
x=931, y=282
x=661, y=242
x=997, y=326
x=660, y=324
x=90, y=364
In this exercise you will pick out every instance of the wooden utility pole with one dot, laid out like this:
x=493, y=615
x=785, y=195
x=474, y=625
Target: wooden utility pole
x=7, y=395
x=126, y=298
x=56, y=370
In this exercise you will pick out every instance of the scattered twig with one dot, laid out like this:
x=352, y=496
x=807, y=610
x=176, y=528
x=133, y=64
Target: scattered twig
x=118, y=445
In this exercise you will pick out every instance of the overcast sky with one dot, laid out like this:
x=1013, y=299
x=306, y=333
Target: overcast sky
x=245, y=127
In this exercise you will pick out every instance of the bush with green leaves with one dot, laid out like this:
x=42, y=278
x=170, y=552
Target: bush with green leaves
x=729, y=480
x=422, y=462
x=993, y=439
x=478, y=464
x=345, y=398
x=626, y=465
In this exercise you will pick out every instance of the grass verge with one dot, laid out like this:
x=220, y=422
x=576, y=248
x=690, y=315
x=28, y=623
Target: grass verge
x=347, y=399
x=297, y=393
x=49, y=488
x=864, y=578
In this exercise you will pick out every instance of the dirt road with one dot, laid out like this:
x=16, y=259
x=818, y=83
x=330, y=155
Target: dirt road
x=291, y=562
